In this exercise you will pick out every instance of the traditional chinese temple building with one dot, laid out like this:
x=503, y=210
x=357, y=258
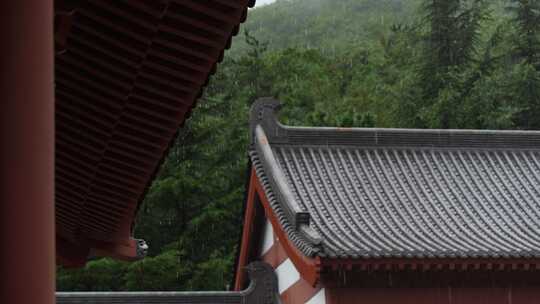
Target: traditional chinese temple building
x=93, y=93
x=393, y=215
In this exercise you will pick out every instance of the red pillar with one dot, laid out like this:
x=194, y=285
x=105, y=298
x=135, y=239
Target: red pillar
x=27, y=259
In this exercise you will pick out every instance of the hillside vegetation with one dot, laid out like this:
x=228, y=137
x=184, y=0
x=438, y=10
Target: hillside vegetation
x=351, y=63
x=330, y=26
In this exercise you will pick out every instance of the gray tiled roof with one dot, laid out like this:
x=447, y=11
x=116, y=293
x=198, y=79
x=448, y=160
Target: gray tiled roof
x=400, y=193
x=263, y=289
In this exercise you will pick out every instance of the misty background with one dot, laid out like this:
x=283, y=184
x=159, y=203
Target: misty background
x=263, y=2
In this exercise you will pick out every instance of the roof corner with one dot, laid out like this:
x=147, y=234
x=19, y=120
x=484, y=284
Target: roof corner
x=264, y=112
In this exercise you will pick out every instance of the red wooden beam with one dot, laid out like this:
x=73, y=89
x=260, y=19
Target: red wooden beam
x=246, y=234
x=432, y=264
x=308, y=267
x=27, y=152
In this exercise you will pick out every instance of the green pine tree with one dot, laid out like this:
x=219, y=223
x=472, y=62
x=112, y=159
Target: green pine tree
x=527, y=20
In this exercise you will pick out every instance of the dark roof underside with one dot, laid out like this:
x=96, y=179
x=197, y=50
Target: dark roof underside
x=402, y=193
x=128, y=74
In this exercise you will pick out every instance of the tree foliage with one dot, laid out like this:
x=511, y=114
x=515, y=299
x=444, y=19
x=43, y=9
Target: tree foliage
x=527, y=50
x=527, y=20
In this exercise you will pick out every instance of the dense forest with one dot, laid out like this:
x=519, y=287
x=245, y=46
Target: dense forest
x=351, y=63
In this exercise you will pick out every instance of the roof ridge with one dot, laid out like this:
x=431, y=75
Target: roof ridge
x=264, y=112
